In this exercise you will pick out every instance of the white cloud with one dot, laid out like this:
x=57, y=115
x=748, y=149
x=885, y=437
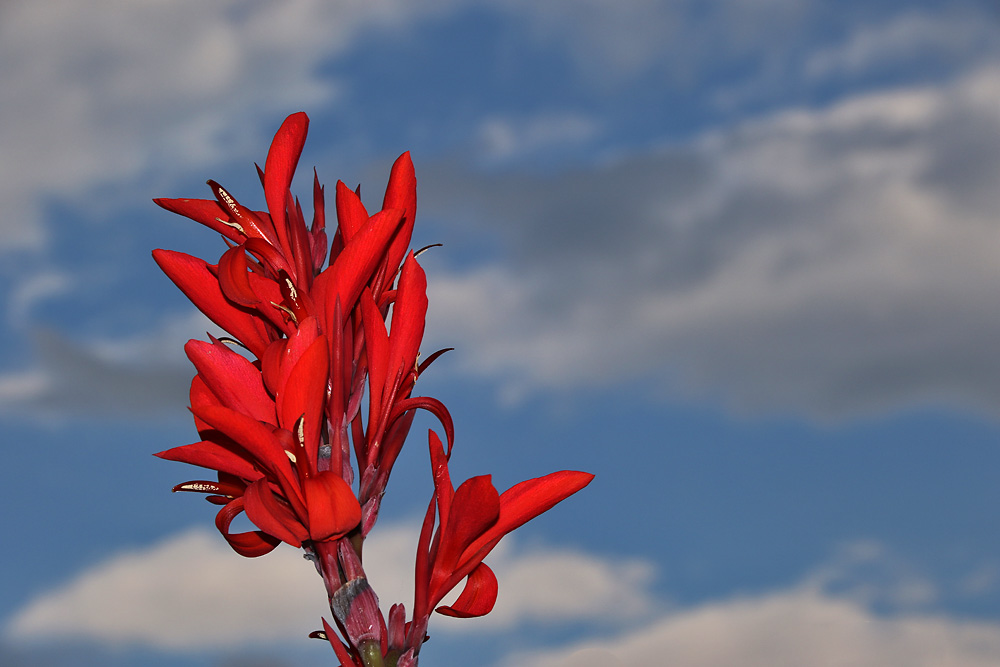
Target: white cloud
x=505, y=138
x=128, y=377
x=98, y=94
x=829, y=261
x=796, y=627
x=192, y=592
x=905, y=39
x=826, y=619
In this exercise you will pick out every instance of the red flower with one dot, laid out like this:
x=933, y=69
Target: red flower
x=470, y=523
x=279, y=425
x=277, y=428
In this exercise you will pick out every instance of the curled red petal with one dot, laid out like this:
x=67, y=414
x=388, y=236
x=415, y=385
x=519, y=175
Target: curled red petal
x=478, y=596
x=251, y=544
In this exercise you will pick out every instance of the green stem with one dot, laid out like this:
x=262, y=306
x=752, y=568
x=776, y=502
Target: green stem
x=371, y=654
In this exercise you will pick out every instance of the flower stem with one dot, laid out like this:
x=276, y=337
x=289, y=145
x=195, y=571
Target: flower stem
x=371, y=654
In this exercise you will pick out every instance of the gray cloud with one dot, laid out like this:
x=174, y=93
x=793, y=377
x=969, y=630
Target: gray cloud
x=831, y=262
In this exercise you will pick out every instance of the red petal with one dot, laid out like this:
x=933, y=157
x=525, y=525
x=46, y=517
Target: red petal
x=282, y=158
x=408, y=315
x=401, y=193
x=205, y=211
x=333, y=509
x=252, y=224
x=196, y=280
x=232, y=378
x=432, y=405
x=355, y=265
x=478, y=596
x=213, y=456
x=377, y=352
x=523, y=502
x=271, y=516
x=475, y=508
x=317, y=233
x=351, y=213
x=261, y=443
x=338, y=646
x=251, y=544
x=303, y=394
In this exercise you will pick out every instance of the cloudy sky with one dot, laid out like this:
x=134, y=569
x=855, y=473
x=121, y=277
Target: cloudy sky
x=741, y=259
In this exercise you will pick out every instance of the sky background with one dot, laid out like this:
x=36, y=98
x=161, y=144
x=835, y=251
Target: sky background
x=741, y=259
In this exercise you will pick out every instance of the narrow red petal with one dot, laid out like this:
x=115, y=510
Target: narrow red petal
x=401, y=193
x=377, y=352
x=351, y=213
x=408, y=316
x=282, y=158
x=213, y=456
x=197, y=281
x=205, y=211
x=303, y=395
x=355, y=265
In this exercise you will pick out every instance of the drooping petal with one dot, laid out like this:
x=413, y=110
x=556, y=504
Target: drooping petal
x=233, y=279
x=251, y=544
x=260, y=442
x=478, y=596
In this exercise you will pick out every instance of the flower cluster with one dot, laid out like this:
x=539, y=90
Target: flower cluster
x=282, y=421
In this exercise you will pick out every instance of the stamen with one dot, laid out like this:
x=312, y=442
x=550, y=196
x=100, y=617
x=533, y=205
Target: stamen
x=235, y=225
x=291, y=457
x=290, y=313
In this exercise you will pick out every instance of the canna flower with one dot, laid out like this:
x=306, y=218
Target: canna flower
x=276, y=429
x=281, y=423
x=471, y=521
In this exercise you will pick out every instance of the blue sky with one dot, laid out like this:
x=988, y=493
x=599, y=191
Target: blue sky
x=739, y=259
